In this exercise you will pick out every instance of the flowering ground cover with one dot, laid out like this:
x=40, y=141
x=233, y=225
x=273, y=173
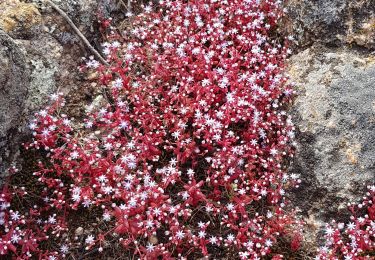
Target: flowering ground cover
x=186, y=154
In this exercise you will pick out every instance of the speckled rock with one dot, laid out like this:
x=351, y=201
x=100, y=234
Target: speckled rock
x=333, y=22
x=18, y=16
x=334, y=113
x=333, y=68
x=45, y=64
x=14, y=84
x=82, y=12
x=335, y=116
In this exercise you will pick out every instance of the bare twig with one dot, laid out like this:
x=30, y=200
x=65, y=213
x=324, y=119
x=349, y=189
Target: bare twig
x=87, y=44
x=127, y=6
x=78, y=32
x=123, y=4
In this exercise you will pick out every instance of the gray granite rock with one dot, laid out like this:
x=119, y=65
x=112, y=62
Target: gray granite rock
x=14, y=85
x=335, y=116
x=333, y=67
x=332, y=22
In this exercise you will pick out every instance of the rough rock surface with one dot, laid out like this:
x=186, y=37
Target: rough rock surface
x=16, y=15
x=334, y=71
x=333, y=22
x=14, y=84
x=335, y=115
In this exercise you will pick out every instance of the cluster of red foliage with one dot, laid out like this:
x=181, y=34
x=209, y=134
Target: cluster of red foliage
x=356, y=239
x=187, y=157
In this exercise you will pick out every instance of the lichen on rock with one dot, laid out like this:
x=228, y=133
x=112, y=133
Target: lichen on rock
x=333, y=70
x=16, y=15
x=333, y=22
x=339, y=113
